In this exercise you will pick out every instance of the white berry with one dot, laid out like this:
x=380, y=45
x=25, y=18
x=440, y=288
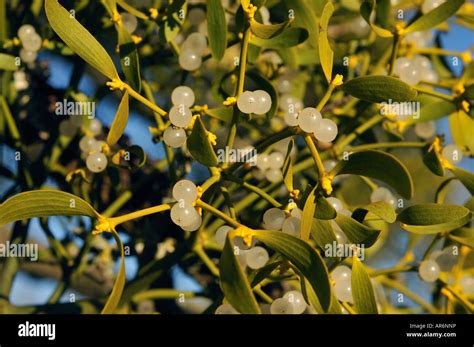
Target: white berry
x=296, y=300
x=174, y=137
x=273, y=218
x=429, y=270
x=129, y=22
x=246, y=102
x=452, y=153
x=221, y=234
x=292, y=226
x=28, y=56
x=309, y=119
x=189, y=60
x=86, y=143
x=263, y=102
x=196, y=42
x=335, y=203
x=182, y=95
x=273, y=175
x=226, y=309
x=263, y=161
x=425, y=130
x=25, y=31
x=32, y=42
x=186, y=191
x=327, y=131
x=256, y=257
x=276, y=160
x=281, y=306
x=96, y=162
x=180, y=116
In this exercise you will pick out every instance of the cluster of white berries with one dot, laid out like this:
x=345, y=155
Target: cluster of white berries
x=310, y=121
x=92, y=149
x=257, y=102
x=183, y=213
x=429, y=5
x=129, y=22
x=292, y=302
x=180, y=116
x=415, y=70
x=255, y=257
x=342, y=276
x=31, y=42
x=438, y=261
x=276, y=219
x=452, y=153
x=190, y=57
x=269, y=166
x=383, y=194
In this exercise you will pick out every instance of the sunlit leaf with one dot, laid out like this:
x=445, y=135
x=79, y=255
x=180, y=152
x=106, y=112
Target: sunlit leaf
x=435, y=16
x=362, y=291
x=380, y=209
x=356, y=232
x=129, y=58
x=379, y=89
x=199, y=146
x=120, y=121
x=117, y=290
x=7, y=62
x=308, y=214
x=288, y=38
x=326, y=54
x=216, y=28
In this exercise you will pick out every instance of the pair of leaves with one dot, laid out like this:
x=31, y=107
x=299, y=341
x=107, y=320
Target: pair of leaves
x=379, y=89
x=379, y=165
x=434, y=218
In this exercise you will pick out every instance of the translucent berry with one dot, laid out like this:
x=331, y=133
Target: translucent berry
x=273, y=175
x=411, y=75
x=195, y=224
x=189, y=60
x=96, y=162
x=196, y=42
x=183, y=215
x=97, y=146
x=186, y=191
x=342, y=273
x=281, y=306
x=284, y=85
x=174, y=137
x=263, y=102
x=226, y=309
x=25, y=31
x=256, y=257
x=263, y=161
x=296, y=300
x=429, y=270
x=182, y=95
x=292, y=226
x=32, y=42
x=246, y=102
x=221, y=234
x=289, y=103
x=28, y=56
x=129, y=22
x=273, y=218
x=95, y=126
x=425, y=130
x=335, y=203
x=452, y=153
x=383, y=194
x=180, y=116
x=343, y=290
x=401, y=64
x=86, y=143
x=291, y=119
x=309, y=119
x=276, y=160
x=296, y=212
x=327, y=131
x=421, y=63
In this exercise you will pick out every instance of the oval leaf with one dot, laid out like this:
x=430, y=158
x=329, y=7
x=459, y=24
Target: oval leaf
x=380, y=209
x=120, y=121
x=78, y=39
x=287, y=168
x=362, y=291
x=44, y=203
x=267, y=31
x=7, y=62
x=326, y=54
x=129, y=58
x=304, y=258
x=356, y=232
x=379, y=89
x=199, y=145
x=433, y=218
x=216, y=28
x=379, y=165
x=432, y=160
x=308, y=214
x=234, y=283
x=323, y=233
x=466, y=177
x=324, y=209
x=435, y=16
x=288, y=38
x=366, y=10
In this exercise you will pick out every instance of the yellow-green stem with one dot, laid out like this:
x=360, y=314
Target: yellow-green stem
x=145, y=101
x=138, y=214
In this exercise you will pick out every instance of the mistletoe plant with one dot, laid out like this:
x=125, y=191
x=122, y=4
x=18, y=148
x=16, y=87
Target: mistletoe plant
x=300, y=149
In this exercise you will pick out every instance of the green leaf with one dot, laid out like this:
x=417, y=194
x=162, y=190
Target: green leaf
x=288, y=38
x=433, y=218
x=324, y=209
x=78, y=39
x=356, y=232
x=466, y=177
x=306, y=18
x=366, y=10
x=362, y=291
x=379, y=89
x=129, y=58
x=326, y=54
x=442, y=190
x=435, y=16
x=433, y=110
x=462, y=128
x=264, y=31
x=223, y=113
x=432, y=160
x=304, y=258
x=312, y=299
x=44, y=203
x=267, y=86
x=323, y=233
x=379, y=165
x=199, y=145
x=170, y=28
x=259, y=275
x=120, y=121
x=233, y=282
x=216, y=28
x=131, y=10
x=287, y=168
x=7, y=62
x=117, y=290
x=308, y=214
x=380, y=209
